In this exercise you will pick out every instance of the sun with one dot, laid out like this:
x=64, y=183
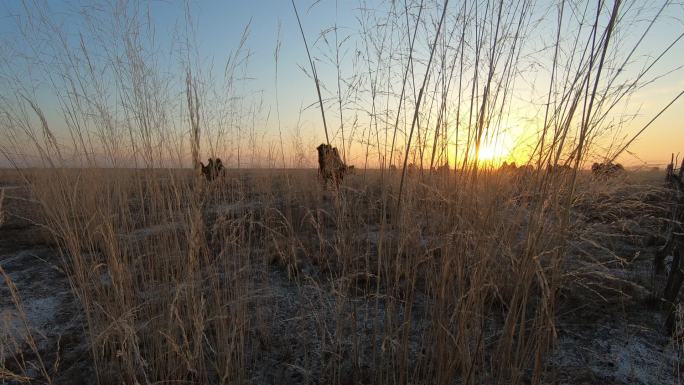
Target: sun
x=494, y=152
x=506, y=145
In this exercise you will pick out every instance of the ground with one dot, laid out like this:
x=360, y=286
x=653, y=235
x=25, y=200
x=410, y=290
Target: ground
x=609, y=328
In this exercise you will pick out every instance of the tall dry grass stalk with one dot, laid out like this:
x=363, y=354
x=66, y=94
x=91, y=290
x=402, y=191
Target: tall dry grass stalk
x=2, y=211
x=458, y=283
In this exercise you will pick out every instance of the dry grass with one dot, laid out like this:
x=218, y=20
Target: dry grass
x=175, y=275
x=452, y=273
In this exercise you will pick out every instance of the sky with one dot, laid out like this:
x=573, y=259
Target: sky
x=216, y=29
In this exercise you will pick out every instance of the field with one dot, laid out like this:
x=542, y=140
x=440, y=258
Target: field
x=266, y=277
x=507, y=219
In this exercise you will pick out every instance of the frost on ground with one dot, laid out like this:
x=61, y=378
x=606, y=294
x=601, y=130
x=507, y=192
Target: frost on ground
x=40, y=321
x=615, y=352
x=608, y=329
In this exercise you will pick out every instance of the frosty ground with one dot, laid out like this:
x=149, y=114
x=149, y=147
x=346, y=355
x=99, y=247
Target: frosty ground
x=609, y=327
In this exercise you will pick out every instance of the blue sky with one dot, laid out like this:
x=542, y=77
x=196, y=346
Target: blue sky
x=219, y=25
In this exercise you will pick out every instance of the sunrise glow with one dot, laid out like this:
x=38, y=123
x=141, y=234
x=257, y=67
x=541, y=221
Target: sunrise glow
x=496, y=150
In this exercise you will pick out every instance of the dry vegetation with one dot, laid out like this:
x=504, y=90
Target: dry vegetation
x=263, y=277
x=440, y=273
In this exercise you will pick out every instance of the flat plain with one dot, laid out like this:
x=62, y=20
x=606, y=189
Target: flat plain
x=267, y=277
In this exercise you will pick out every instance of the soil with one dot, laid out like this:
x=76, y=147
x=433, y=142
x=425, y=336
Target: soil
x=610, y=330
x=49, y=324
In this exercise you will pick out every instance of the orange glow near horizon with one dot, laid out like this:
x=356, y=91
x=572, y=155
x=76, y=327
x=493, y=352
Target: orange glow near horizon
x=495, y=151
x=492, y=153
